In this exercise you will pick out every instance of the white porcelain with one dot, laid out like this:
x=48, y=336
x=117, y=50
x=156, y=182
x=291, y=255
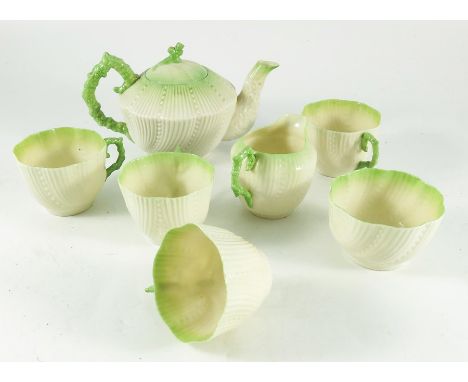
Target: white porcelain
x=383, y=218
x=65, y=167
x=166, y=190
x=340, y=131
x=273, y=167
x=207, y=281
x=178, y=103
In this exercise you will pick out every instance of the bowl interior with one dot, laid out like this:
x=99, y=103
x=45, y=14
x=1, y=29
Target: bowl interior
x=189, y=283
x=390, y=198
x=284, y=137
x=169, y=175
x=342, y=115
x=59, y=147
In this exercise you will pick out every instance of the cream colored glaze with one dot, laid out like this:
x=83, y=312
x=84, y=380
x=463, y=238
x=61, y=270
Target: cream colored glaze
x=284, y=168
x=191, y=288
x=215, y=280
x=64, y=168
x=166, y=190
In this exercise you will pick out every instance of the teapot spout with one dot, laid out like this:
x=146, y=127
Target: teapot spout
x=248, y=100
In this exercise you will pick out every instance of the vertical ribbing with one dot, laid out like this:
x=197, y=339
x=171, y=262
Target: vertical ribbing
x=156, y=215
x=66, y=190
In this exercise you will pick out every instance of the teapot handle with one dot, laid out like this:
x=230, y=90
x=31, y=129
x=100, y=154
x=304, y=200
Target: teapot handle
x=99, y=71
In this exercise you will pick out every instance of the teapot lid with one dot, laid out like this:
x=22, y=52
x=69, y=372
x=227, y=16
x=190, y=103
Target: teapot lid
x=174, y=71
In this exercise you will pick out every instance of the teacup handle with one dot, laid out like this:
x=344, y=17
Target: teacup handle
x=118, y=142
x=238, y=190
x=365, y=139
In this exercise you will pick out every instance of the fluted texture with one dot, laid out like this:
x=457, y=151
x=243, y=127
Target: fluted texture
x=382, y=218
x=67, y=190
x=278, y=182
x=338, y=153
x=376, y=246
x=194, y=116
x=247, y=276
x=157, y=215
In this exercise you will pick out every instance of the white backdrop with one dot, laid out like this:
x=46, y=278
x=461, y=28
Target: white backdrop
x=72, y=288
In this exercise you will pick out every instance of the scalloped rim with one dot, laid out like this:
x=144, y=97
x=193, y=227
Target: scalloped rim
x=240, y=144
x=67, y=132
x=311, y=108
x=342, y=180
x=187, y=157
x=159, y=263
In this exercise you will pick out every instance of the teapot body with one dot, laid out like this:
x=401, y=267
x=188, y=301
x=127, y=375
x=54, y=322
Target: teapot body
x=177, y=104
x=193, y=116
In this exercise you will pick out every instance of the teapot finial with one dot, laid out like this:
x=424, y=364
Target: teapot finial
x=175, y=52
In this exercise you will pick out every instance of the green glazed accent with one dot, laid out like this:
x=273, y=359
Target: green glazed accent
x=150, y=289
x=175, y=52
x=107, y=63
x=118, y=142
x=365, y=139
x=238, y=190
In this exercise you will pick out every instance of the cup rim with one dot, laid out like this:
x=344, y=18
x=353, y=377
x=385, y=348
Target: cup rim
x=160, y=266
x=164, y=154
x=30, y=139
x=381, y=172
x=305, y=127
x=312, y=107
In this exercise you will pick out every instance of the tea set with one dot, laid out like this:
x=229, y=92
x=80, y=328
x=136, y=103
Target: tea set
x=207, y=280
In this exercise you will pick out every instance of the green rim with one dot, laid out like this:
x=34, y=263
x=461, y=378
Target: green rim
x=241, y=144
x=378, y=174
x=312, y=108
x=164, y=269
x=187, y=158
x=67, y=133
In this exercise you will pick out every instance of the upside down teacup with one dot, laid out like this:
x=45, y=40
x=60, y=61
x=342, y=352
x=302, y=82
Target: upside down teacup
x=207, y=281
x=273, y=167
x=382, y=218
x=166, y=190
x=65, y=167
x=341, y=131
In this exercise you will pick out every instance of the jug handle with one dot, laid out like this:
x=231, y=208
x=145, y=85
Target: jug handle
x=118, y=142
x=238, y=190
x=99, y=71
x=365, y=139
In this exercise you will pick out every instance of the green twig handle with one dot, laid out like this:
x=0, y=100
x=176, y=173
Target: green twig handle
x=249, y=154
x=107, y=63
x=365, y=139
x=118, y=142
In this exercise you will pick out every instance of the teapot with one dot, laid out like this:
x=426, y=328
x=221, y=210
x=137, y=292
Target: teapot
x=178, y=103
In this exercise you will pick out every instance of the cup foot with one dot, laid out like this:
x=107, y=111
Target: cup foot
x=269, y=217
x=71, y=212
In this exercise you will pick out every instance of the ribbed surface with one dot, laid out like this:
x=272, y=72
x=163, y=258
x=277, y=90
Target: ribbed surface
x=193, y=116
x=375, y=246
x=338, y=153
x=199, y=135
x=66, y=190
x=278, y=183
x=247, y=275
x=156, y=215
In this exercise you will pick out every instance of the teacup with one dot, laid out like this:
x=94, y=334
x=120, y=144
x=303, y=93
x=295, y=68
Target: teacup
x=341, y=131
x=207, y=281
x=383, y=218
x=166, y=190
x=272, y=167
x=65, y=167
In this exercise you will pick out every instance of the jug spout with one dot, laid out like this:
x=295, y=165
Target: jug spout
x=248, y=100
